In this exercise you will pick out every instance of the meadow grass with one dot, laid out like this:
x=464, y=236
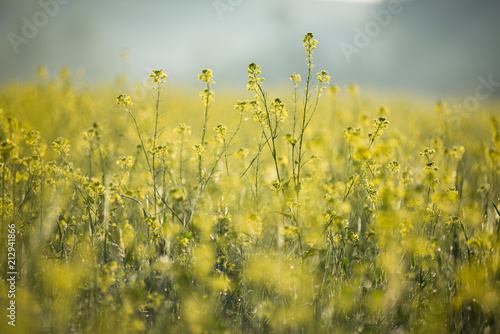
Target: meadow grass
x=316, y=211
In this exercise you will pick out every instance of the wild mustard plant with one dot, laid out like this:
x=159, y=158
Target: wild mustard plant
x=206, y=97
x=307, y=112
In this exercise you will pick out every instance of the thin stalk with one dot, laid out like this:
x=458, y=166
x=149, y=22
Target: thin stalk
x=256, y=183
x=203, y=132
x=105, y=220
x=272, y=133
x=180, y=160
x=225, y=156
x=153, y=171
x=140, y=138
x=303, y=125
x=261, y=146
x=293, y=142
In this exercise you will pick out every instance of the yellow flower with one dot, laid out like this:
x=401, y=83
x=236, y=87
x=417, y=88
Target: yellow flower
x=323, y=77
x=352, y=134
x=158, y=76
x=242, y=152
x=295, y=79
x=198, y=148
x=310, y=45
x=124, y=100
x=253, y=77
x=206, y=94
x=221, y=130
x=183, y=129
x=206, y=76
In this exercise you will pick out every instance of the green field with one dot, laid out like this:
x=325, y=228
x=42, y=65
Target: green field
x=311, y=209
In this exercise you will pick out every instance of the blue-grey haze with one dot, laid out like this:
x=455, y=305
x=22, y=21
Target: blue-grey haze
x=431, y=47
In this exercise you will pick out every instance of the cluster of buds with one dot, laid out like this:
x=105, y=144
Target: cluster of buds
x=310, y=45
x=253, y=78
x=158, y=76
x=206, y=94
x=124, y=100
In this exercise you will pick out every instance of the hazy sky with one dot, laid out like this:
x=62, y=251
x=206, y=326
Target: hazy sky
x=430, y=47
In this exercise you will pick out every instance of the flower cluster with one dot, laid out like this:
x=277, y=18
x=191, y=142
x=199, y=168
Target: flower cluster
x=221, y=132
x=199, y=149
x=124, y=100
x=254, y=81
x=206, y=94
x=206, y=76
x=379, y=124
x=309, y=45
x=158, y=76
x=183, y=129
x=278, y=108
x=295, y=79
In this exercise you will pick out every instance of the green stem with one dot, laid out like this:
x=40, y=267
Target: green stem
x=303, y=125
x=293, y=142
x=153, y=172
x=200, y=158
x=272, y=133
x=180, y=161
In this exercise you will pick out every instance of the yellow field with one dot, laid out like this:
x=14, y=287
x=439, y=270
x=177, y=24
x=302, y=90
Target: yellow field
x=244, y=212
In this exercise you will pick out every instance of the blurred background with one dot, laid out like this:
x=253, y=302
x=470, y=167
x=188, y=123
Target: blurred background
x=431, y=48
